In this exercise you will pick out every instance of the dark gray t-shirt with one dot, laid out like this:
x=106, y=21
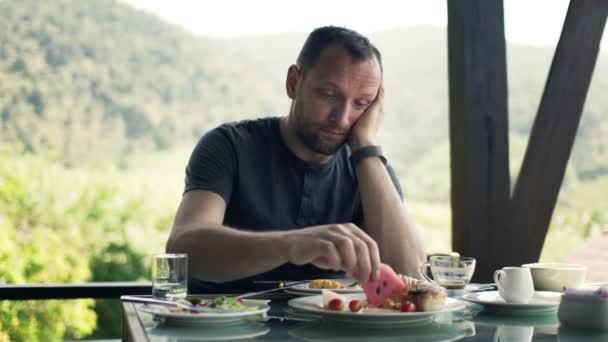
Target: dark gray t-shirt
x=267, y=188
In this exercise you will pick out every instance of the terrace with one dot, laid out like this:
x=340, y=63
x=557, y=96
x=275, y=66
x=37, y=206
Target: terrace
x=494, y=221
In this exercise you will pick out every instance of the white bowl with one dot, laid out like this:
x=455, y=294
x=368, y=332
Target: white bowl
x=556, y=276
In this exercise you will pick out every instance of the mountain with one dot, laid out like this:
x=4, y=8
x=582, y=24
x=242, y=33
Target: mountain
x=98, y=81
x=95, y=81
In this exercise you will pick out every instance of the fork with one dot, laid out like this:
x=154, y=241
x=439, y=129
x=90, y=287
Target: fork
x=281, y=287
x=170, y=303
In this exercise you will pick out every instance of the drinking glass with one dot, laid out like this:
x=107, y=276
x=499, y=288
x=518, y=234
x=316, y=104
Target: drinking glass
x=169, y=276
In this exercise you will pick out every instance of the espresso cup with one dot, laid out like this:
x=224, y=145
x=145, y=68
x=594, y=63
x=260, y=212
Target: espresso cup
x=514, y=284
x=450, y=272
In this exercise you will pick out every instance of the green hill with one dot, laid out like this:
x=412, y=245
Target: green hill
x=93, y=81
x=96, y=81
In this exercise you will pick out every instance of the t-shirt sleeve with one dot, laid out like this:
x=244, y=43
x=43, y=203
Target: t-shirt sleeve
x=212, y=165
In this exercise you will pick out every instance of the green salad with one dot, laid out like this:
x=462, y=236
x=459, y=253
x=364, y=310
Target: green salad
x=229, y=304
x=222, y=303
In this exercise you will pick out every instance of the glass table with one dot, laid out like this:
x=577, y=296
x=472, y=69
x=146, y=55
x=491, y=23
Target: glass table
x=283, y=323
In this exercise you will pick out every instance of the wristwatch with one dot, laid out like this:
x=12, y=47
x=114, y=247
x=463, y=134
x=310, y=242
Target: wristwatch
x=367, y=151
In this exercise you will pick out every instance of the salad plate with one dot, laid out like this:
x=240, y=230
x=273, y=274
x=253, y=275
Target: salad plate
x=249, y=309
x=368, y=315
x=541, y=302
x=243, y=330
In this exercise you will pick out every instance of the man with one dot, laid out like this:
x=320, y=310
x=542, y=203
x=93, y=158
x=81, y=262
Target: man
x=301, y=196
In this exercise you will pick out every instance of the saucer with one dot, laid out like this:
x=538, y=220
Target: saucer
x=541, y=302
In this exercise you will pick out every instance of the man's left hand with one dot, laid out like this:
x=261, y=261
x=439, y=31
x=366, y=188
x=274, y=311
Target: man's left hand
x=366, y=128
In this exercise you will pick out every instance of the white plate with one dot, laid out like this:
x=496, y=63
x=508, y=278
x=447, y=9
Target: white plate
x=541, y=302
x=209, y=318
x=302, y=289
x=313, y=305
x=243, y=330
x=536, y=321
x=457, y=293
x=326, y=330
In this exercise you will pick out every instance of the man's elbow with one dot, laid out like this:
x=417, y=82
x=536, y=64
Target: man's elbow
x=173, y=244
x=170, y=246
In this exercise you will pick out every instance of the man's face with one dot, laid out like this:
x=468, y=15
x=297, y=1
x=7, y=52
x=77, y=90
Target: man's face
x=331, y=97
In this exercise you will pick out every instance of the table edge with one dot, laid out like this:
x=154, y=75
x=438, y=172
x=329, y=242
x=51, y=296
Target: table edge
x=132, y=327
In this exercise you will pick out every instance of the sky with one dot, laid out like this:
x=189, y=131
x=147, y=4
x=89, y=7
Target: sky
x=230, y=18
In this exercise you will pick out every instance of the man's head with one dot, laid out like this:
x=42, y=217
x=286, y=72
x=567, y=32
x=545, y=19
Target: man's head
x=337, y=76
x=357, y=46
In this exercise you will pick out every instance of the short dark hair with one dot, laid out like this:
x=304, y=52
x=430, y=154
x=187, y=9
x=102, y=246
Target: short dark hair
x=358, y=46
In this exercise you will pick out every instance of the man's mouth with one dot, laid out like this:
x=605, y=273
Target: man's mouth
x=333, y=134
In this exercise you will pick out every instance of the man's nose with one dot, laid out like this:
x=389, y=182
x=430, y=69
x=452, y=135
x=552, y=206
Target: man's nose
x=340, y=115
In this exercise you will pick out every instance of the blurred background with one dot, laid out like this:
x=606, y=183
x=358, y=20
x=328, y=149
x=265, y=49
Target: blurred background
x=102, y=101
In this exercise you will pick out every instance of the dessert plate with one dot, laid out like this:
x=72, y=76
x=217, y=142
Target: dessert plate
x=377, y=316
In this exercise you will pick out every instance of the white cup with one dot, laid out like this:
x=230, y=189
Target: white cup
x=514, y=333
x=514, y=284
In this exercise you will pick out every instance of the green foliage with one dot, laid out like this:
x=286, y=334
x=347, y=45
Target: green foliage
x=36, y=249
x=115, y=262
x=63, y=226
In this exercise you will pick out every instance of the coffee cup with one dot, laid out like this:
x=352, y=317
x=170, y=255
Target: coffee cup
x=514, y=333
x=514, y=284
x=450, y=272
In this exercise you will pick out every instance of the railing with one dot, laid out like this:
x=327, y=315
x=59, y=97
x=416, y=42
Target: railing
x=73, y=290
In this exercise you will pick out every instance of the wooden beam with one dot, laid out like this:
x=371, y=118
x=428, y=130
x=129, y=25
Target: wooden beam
x=555, y=127
x=478, y=131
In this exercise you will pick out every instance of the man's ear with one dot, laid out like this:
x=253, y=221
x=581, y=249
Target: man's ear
x=291, y=83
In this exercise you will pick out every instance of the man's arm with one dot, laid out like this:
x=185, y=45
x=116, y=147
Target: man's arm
x=386, y=218
x=218, y=253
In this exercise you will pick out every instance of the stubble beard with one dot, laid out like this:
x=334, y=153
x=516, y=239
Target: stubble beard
x=309, y=136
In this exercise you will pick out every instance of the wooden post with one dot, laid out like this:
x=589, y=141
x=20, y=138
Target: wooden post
x=478, y=132
x=555, y=127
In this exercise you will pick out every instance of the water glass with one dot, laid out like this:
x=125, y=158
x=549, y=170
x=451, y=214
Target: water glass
x=169, y=276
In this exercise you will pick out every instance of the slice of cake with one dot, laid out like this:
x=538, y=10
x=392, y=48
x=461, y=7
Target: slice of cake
x=426, y=296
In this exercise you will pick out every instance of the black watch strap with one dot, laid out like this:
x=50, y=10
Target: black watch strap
x=364, y=152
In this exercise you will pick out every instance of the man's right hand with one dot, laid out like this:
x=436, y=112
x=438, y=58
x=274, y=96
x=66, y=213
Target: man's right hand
x=343, y=247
